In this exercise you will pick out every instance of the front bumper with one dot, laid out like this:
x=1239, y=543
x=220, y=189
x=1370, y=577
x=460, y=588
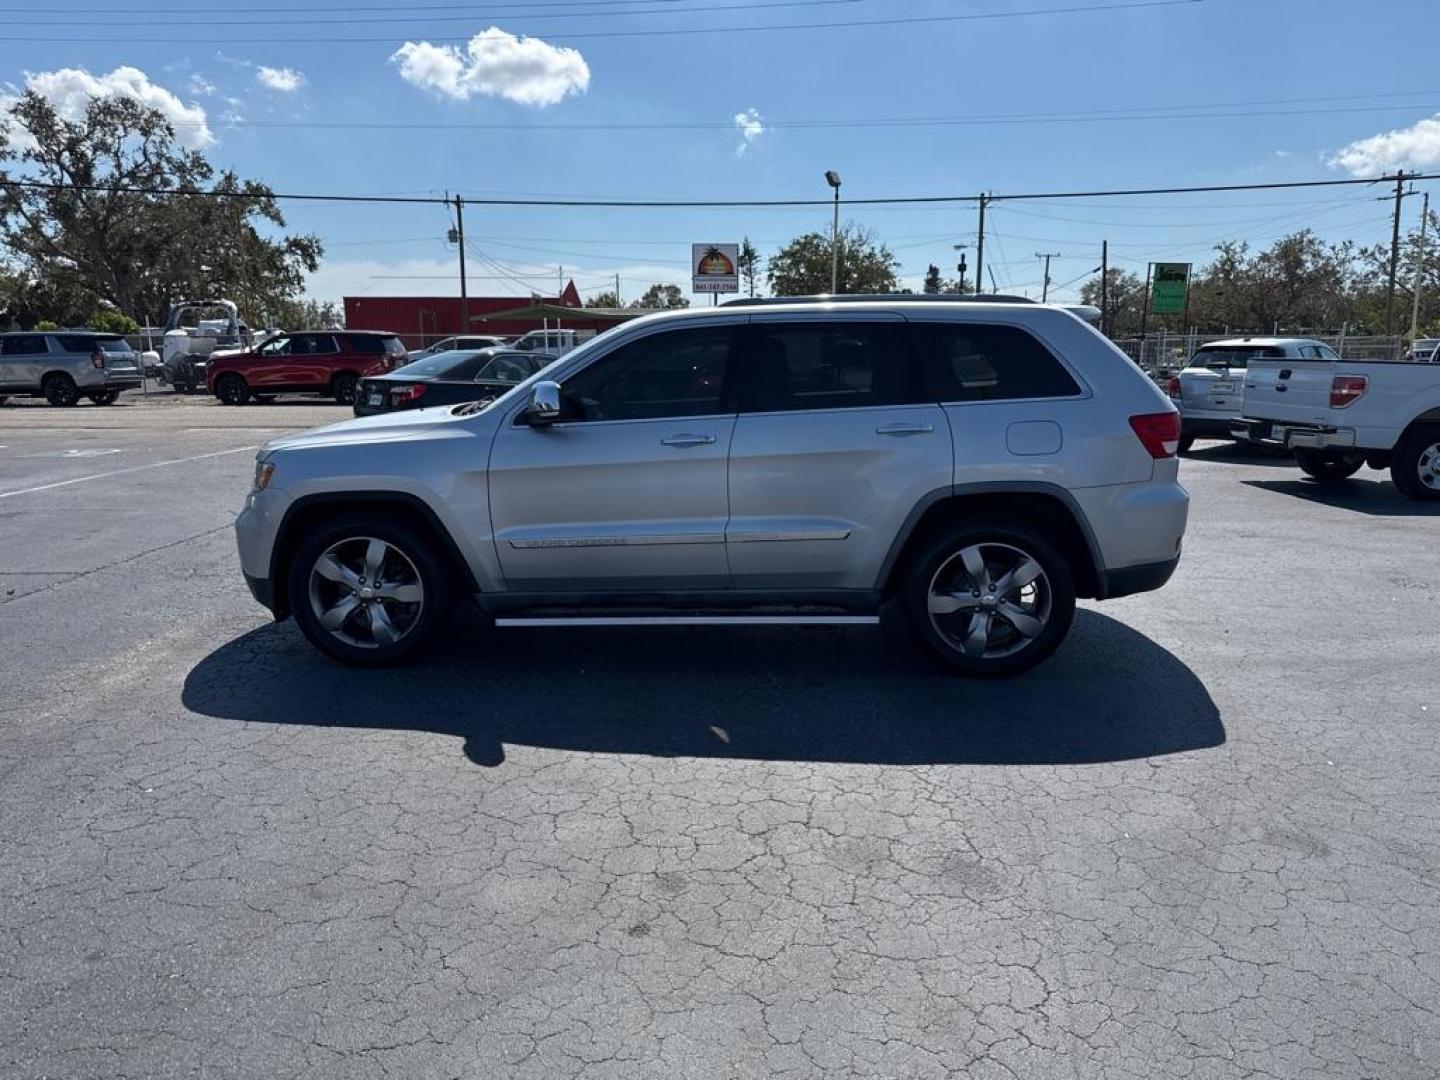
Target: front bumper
x=1289, y=435
x=263, y=590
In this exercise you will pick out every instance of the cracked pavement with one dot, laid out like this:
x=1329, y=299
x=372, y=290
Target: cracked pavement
x=1200, y=842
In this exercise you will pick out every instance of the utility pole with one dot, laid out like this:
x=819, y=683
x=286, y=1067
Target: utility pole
x=980, y=247
x=1045, y=288
x=1400, y=194
x=1419, y=270
x=460, y=243
x=1105, y=287
x=617, y=290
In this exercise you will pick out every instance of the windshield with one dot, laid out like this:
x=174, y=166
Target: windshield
x=454, y=364
x=1235, y=356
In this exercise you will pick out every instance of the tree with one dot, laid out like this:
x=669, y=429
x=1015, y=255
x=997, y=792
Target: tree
x=802, y=267
x=607, y=299
x=749, y=265
x=1125, y=302
x=112, y=322
x=662, y=297
x=304, y=315
x=933, y=282
x=91, y=237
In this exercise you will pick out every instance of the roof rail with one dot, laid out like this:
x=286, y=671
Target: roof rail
x=887, y=298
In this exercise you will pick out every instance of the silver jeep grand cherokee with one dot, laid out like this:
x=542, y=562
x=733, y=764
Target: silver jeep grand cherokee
x=984, y=464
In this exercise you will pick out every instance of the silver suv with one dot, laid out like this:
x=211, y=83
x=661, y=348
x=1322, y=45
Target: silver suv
x=983, y=464
x=66, y=365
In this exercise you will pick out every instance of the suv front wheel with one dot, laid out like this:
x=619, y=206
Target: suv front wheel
x=991, y=599
x=367, y=589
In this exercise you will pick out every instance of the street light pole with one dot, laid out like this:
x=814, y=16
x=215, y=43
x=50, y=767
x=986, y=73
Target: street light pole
x=833, y=179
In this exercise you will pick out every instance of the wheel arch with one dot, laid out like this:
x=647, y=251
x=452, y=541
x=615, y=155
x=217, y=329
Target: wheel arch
x=311, y=511
x=336, y=376
x=1045, y=506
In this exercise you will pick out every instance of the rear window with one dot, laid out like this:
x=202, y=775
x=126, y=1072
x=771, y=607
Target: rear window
x=988, y=362
x=85, y=343
x=447, y=365
x=1235, y=356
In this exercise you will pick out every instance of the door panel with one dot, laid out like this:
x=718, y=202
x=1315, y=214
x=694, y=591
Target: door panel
x=835, y=444
x=630, y=504
x=816, y=498
x=629, y=490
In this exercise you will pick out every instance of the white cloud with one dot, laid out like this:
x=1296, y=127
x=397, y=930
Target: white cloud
x=525, y=70
x=1415, y=147
x=69, y=90
x=200, y=86
x=750, y=127
x=282, y=80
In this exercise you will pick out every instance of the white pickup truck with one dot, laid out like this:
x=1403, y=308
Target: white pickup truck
x=1340, y=414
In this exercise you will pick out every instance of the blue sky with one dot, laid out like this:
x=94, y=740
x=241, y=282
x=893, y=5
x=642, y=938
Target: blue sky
x=584, y=98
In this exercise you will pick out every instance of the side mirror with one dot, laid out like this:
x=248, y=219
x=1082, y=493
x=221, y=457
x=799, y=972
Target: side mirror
x=544, y=404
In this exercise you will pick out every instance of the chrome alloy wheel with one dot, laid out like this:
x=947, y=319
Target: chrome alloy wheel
x=1427, y=469
x=365, y=592
x=990, y=600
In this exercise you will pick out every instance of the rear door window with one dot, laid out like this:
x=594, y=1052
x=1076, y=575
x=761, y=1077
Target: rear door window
x=365, y=343
x=23, y=345
x=321, y=344
x=792, y=366
x=988, y=362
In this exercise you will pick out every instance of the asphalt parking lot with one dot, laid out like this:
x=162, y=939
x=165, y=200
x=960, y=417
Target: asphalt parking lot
x=1202, y=841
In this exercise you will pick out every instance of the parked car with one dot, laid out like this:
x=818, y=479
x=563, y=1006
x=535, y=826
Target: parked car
x=1209, y=391
x=554, y=342
x=1426, y=350
x=448, y=379
x=983, y=464
x=451, y=344
x=329, y=363
x=1338, y=416
x=65, y=365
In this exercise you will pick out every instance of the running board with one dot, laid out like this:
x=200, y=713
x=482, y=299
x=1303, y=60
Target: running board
x=691, y=620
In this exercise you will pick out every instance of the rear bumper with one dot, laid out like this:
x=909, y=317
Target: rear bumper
x=1290, y=435
x=1204, y=428
x=1138, y=579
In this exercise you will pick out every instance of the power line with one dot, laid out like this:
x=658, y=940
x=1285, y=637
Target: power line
x=853, y=24
x=410, y=20
x=642, y=204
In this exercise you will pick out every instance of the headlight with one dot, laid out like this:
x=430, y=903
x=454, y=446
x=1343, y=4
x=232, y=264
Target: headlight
x=264, y=470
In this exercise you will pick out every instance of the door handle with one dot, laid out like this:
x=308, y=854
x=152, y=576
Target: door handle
x=903, y=428
x=1280, y=388
x=687, y=440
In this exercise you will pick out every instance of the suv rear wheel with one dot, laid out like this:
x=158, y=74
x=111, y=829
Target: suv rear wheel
x=59, y=389
x=344, y=388
x=992, y=598
x=232, y=390
x=367, y=589
x=1416, y=466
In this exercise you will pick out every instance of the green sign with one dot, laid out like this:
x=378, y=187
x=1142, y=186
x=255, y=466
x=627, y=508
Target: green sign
x=1169, y=288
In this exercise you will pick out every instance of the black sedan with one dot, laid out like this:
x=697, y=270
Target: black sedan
x=448, y=378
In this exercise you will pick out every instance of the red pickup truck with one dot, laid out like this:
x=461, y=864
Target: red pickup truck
x=330, y=363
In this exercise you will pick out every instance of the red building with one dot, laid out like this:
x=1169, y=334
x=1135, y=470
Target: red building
x=424, y=319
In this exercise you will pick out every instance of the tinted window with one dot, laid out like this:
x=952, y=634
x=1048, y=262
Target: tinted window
x=1235, y=356
x=365, y=343
x=987, y=362
x=87, y=343
x=679, y=373
x=323, y=343
x=446, y=365
x=23, y=345
x=832, y=365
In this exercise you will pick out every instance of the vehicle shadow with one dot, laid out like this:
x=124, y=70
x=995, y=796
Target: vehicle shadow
x=1238, y=453
x=776, y=694
x=1379, y=498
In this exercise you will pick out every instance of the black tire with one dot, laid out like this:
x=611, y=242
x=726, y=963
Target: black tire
x=343, y=388
x=1415, y=468
x=59, y=389
x=411, y=558
x=180, y=387
x=104, y=397
x=4, y=398
x=1328, y=466
x=943, y=570
x=1187, y=443
x=232, y=389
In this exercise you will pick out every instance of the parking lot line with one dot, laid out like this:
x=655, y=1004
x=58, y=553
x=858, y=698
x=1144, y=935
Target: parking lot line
x=122, y=472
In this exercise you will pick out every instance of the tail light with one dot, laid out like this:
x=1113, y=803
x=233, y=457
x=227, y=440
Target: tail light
x=402, y=394
x=98, y=358
x=1159, y=433
x=1172, y=388
x=1346, y=389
